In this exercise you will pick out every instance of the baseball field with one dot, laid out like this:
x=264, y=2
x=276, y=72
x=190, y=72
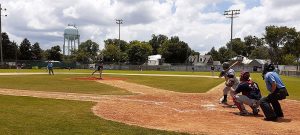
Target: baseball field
x=131, y=102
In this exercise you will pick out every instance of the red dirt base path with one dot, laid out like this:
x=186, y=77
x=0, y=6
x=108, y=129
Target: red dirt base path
x=191, y=113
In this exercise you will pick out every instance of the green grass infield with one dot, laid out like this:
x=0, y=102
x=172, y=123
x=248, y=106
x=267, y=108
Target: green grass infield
x=177, y=84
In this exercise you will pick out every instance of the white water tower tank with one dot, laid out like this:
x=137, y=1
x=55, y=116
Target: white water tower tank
x=71, y=35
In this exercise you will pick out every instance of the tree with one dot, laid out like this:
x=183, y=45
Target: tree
x=112, y=53
x=122, y=45
x=238, y=46
x=252, y=42
x=225, y=54
x=25, y=50
x=276, y=38
x=214, y=54
x=87, y=52
x=293, y=46
x=36, y=51
x=260, y=52
x=8, y=48
x=156, y=42
x=16, y=50
x=175, y=51
x=289, y=59
x=138, y=52
x=54, y=53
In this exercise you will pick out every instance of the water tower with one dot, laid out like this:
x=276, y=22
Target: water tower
x=71, y=35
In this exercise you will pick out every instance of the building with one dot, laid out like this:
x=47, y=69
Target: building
x=154, y=60
x=258, y=64
x=201, y=60
x=255, y=64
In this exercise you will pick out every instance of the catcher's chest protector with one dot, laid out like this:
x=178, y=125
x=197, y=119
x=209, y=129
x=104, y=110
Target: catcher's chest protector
x=254, y=92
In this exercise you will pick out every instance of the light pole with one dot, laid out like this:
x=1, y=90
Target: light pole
x=1, y=50
x=231, y=14
x=119, y=22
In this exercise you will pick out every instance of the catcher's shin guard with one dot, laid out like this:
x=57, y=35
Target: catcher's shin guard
x=238, y=105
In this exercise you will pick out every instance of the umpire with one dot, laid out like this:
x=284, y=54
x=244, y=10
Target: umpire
x=277, y=92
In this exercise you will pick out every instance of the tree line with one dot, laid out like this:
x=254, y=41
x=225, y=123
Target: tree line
x=280, y=44
x=173, y=50
x=27, y=51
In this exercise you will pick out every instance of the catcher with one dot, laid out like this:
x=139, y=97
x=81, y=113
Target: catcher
x=250, y=95
x=231, y=81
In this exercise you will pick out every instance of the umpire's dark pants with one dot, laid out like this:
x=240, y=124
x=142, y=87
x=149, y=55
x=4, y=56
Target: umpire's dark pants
x=272, y=99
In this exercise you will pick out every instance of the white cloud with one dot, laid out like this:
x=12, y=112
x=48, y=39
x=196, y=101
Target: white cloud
x=44, y=21
x=71, y=12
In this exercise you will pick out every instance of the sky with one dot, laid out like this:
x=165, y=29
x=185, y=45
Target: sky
x=200, y=23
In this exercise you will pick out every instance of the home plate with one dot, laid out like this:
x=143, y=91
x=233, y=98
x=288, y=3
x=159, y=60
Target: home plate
x=209, y=106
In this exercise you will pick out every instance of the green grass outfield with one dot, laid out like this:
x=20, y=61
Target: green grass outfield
x=66, y=83
x=33, y=116
x=292, y=85
x=105, y=71
x=58, y=83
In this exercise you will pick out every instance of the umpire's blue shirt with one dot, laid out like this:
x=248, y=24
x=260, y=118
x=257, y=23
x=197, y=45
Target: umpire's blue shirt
x=271, y=77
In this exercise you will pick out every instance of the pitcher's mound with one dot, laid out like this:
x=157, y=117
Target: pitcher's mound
x=97, y=78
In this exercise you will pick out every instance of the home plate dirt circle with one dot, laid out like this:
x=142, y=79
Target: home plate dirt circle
x=191, y=113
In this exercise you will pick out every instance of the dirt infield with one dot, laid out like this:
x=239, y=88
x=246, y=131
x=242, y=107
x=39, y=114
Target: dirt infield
x=192, y=113
x=161, y=109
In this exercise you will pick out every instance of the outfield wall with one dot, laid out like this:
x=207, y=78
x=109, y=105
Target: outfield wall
x=174, y=68
x=291, y=73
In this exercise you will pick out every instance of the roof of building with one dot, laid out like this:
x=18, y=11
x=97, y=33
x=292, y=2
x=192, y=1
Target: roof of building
x=154, y=57
x=205, y=58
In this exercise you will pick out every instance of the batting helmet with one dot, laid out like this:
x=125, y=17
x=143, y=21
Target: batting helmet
x=245, y=76
x=225, y=65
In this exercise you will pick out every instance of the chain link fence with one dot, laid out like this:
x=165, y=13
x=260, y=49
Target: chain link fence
x=38, y=64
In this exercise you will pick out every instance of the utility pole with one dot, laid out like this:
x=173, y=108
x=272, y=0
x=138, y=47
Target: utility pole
x=119, y=22
x=231, y=14
x=1, y=50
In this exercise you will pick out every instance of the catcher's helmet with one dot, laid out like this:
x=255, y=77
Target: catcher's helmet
x=245, y=75
x=225, y=65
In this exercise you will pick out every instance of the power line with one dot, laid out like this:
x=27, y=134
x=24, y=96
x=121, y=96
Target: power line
x=231, y=14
